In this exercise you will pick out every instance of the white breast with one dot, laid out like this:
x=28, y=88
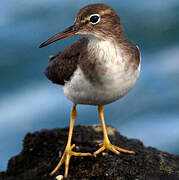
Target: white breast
x=116, y=81
x=105, y=50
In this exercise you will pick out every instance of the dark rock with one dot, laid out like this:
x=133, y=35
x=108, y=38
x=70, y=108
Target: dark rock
x=40, y=155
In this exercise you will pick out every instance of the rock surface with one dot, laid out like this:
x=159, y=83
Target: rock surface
x=40, y=155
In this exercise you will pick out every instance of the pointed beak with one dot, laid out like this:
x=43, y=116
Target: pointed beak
x=70, y=31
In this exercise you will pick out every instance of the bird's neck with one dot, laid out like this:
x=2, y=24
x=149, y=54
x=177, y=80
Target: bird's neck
x=114, y=35
x=103, y=49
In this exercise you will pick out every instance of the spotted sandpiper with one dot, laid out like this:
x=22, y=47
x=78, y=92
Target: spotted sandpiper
x=96, y=70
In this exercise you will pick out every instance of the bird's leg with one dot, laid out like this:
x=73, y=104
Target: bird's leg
x=106, y=144
x=68, y=150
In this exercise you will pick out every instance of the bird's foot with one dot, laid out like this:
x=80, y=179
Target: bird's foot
x=111, y=147
x=66, y=159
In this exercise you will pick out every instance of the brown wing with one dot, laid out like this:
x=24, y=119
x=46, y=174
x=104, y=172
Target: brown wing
x=62, y=67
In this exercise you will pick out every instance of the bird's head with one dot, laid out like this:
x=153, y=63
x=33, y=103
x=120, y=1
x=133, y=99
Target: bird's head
x=97, y=20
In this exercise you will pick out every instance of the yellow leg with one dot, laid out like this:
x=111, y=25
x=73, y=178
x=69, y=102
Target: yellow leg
x=106, y=144
x=68, y=150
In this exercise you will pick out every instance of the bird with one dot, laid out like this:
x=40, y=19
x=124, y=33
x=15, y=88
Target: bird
x=97, y=69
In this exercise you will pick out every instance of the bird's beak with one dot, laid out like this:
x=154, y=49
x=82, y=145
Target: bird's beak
x=70, y=31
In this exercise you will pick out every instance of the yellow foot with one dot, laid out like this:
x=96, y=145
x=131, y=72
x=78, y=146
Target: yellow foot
x=109, y=146
x=66, y=159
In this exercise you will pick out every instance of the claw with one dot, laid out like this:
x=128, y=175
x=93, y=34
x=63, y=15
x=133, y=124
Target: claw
x=113, y=148
x=106, y=144
x=73, y=146
x=101, y=144
x=66, y=159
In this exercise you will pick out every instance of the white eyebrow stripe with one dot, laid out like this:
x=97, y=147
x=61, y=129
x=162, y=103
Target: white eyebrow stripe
x=103, y=12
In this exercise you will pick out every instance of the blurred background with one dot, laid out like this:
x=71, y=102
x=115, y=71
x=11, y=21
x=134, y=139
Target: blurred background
x=29, y=102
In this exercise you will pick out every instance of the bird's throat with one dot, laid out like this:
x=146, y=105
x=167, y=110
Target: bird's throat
x=104, y=50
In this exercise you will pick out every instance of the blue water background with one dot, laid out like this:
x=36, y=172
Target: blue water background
x=29, y=102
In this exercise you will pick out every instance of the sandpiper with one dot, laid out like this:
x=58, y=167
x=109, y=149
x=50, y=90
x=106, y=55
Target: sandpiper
x=96, y=70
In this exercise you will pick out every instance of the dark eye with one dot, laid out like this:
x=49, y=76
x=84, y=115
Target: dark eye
x=95, y=18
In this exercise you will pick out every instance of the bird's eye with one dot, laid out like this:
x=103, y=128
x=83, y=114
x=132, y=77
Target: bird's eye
x=94, y=19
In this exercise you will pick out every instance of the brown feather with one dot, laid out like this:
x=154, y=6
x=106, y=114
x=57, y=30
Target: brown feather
x=65, y=63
